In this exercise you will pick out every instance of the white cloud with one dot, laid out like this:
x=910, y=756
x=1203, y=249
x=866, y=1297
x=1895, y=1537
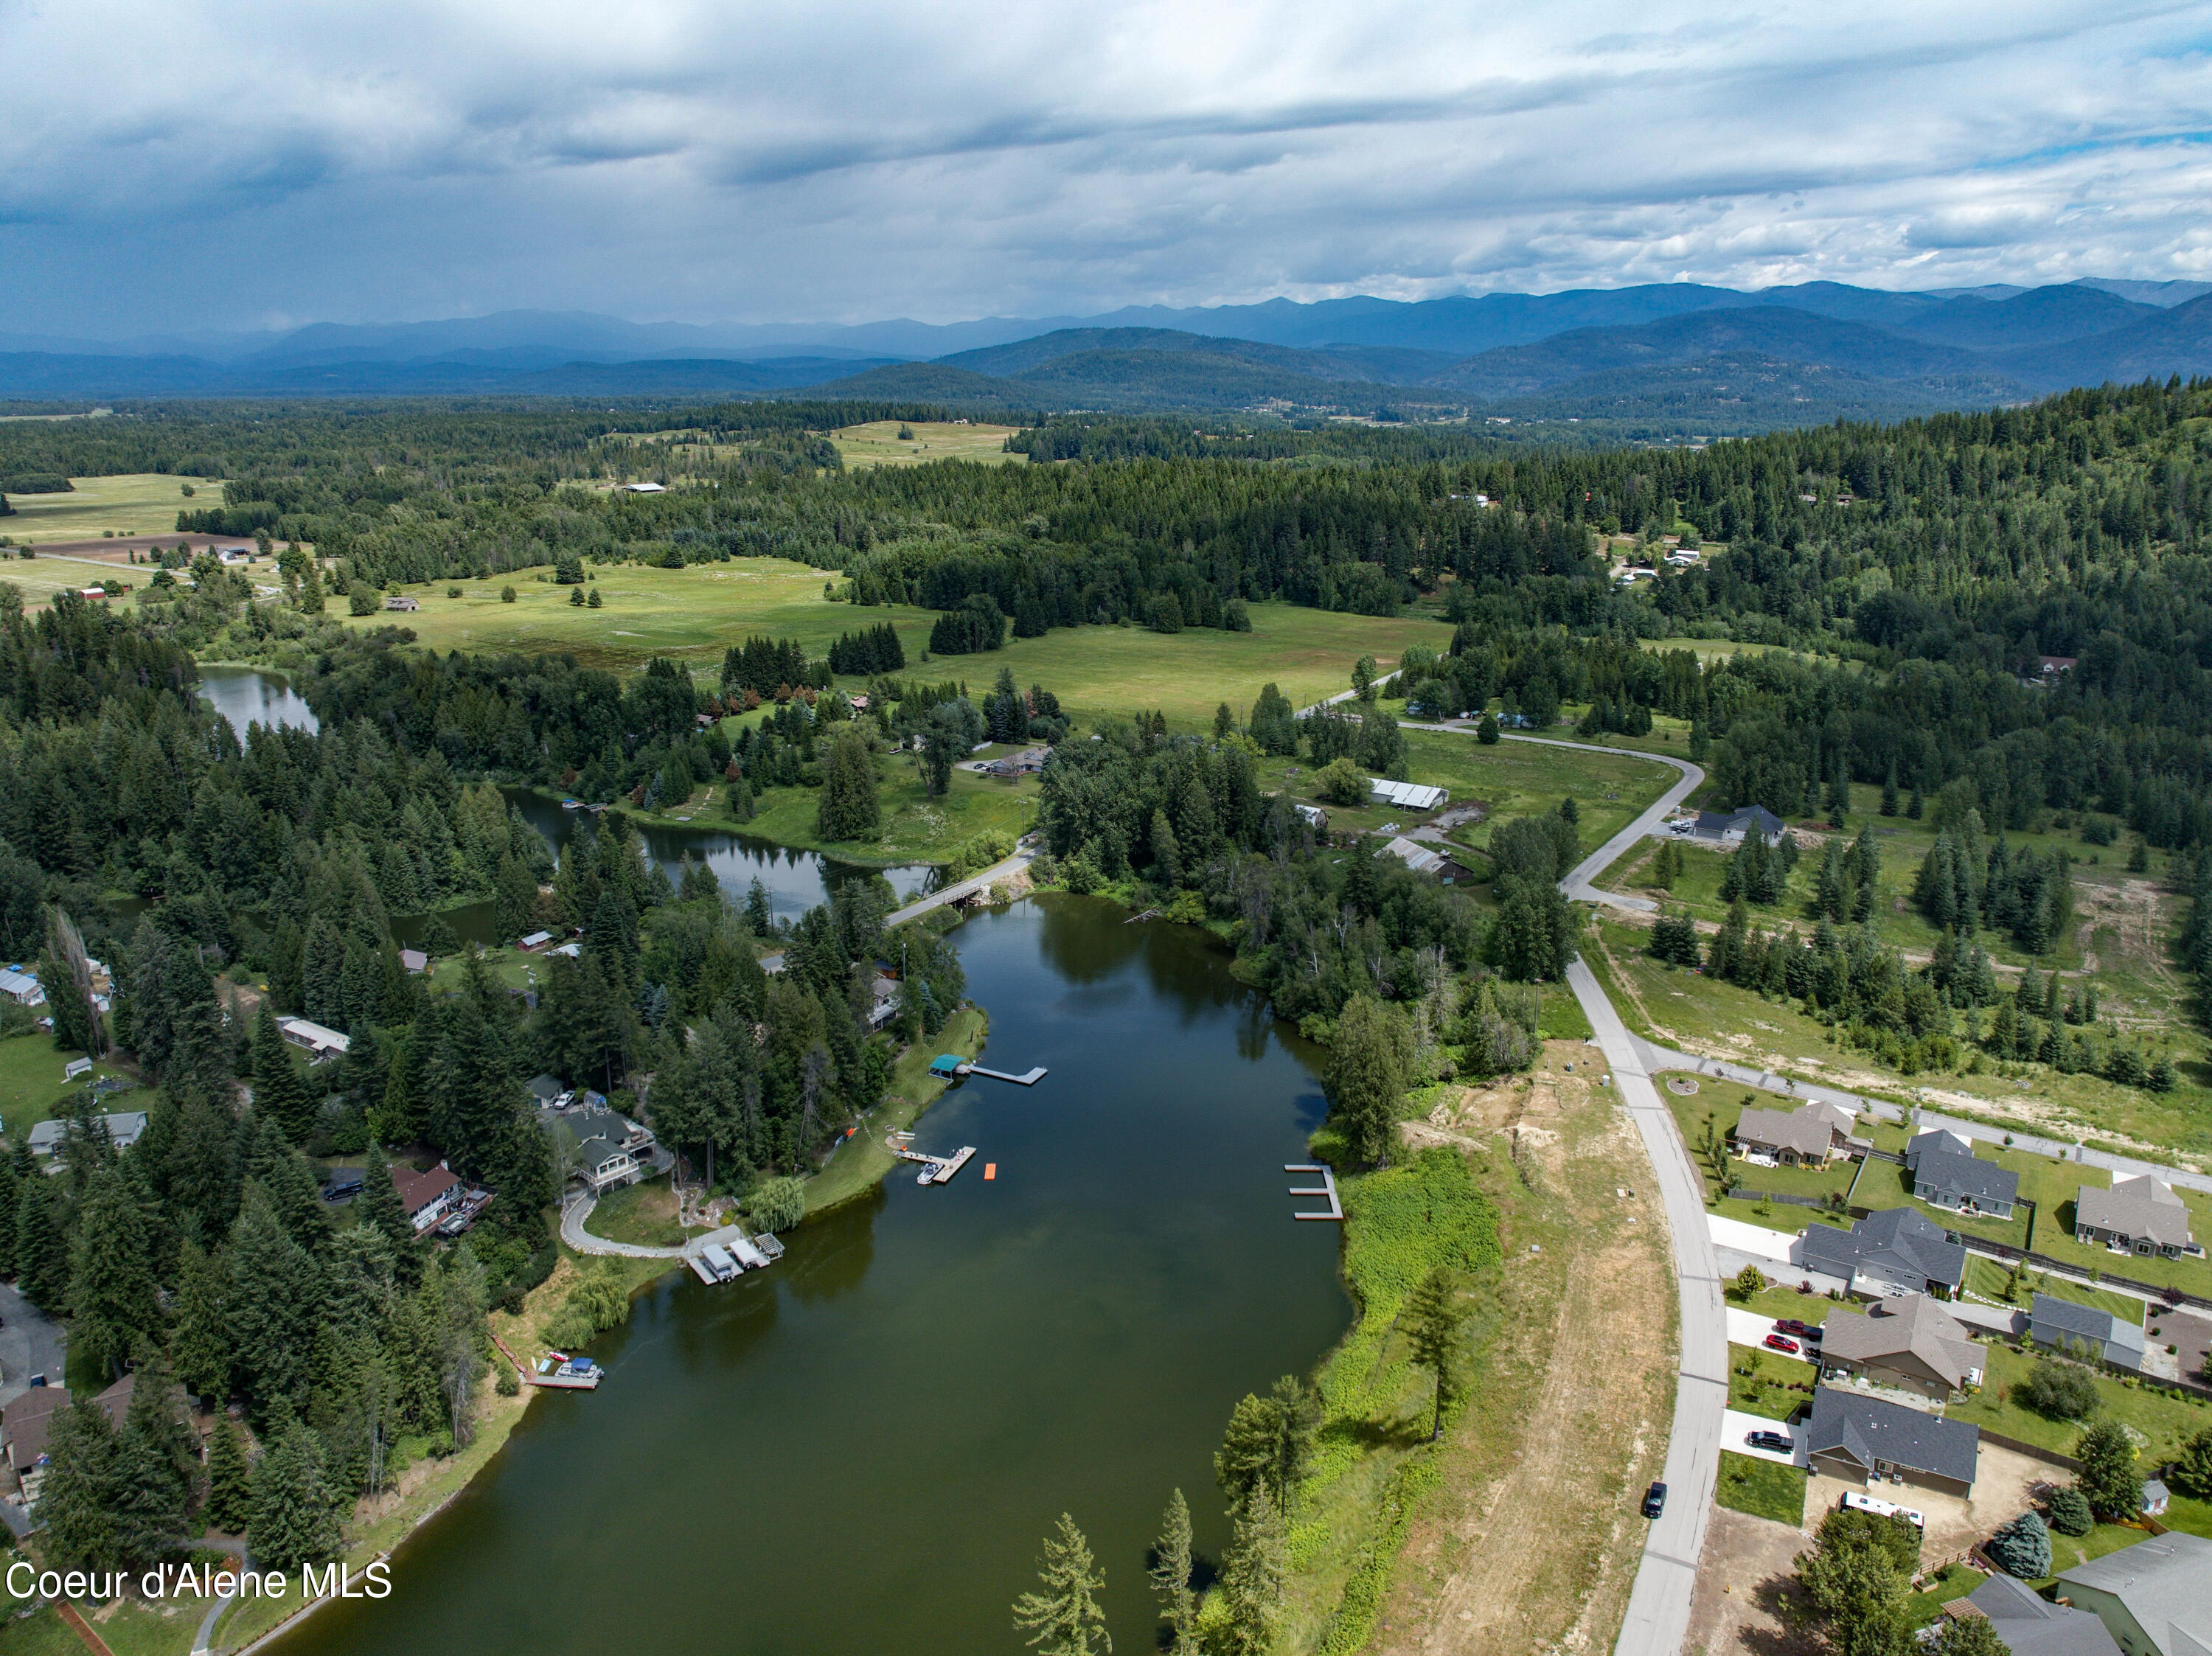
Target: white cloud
x=169, y=162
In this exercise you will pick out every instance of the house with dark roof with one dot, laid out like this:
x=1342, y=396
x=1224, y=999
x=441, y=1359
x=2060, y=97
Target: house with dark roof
x=1732, y=828
x=2151, y=1597
x=2028, y=1624
x=1895, y=1251
x=2085, y=1331
x=611, y=1149
x=1936, y=1138
x=1863, y=1440
x=2140, y=1215
x=424, y=1197
x=1911, y=1344
x=1963, y=1184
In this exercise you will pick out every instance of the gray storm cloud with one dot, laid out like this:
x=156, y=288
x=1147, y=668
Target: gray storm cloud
x=189, y=163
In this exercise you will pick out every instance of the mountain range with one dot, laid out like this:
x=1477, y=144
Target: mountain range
x=1677, y=354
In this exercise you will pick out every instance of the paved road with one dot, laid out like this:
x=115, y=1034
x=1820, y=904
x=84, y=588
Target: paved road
x=1023, y=856
x=30, y=1343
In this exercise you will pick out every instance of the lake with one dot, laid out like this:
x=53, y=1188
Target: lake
x=245, y=696
x=860, y=1449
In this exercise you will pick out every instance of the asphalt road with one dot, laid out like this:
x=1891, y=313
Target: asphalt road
x=30, y=1343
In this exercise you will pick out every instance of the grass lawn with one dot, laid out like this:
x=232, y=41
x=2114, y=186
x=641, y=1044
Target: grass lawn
x=1989, y=1277
x=916, y=827
x=1952, y=1581
x=2163, y=1421
x=2182, y=1513
x=2069, y=1550
x=1765, y=1489
x=1720, y=1103
x=1886, y=1184
x=31, y=1084
x=1762, y=1382
x=643, y=1214
x=863, y=1161
x=136, y=503
x=43, y=1632
x=876, y=444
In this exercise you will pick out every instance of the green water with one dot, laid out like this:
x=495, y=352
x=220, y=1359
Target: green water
x=858, y=1450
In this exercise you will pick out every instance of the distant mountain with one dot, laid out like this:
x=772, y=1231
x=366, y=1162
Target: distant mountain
x=1355, y=362
x=2042, y=316
x=31, y=374
x=1730, y=394
x=2148, y=293
x=2166, y=342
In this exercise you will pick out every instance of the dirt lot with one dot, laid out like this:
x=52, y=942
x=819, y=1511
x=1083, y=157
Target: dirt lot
x=1745, y=1586
x=1534, y=1540
x=2001, y=1486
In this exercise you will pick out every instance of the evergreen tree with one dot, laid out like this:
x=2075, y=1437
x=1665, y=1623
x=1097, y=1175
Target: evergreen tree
x=280, y=1095
x=156, y=1464
x=2108, y=1478
x=77, y=1502
x=378, y=1207
x=1433, y=1315
x=1855, y=1582
x=1252, y=1574
x=111, y=1290
x=230, y=1476
x=8, y=1187
x=199, y=1342
x=42, y=1250
x=1064, y=1619
x=1171, y=1577
x=295, y=1515
x=849, y=808
x=1367, y=1075
x=274, y=1293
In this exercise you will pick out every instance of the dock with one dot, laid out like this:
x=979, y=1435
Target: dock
x=1029, y=1079
x=723, y=1255
x=567, y=1374
x=1327, y=1187
x=935, y=1169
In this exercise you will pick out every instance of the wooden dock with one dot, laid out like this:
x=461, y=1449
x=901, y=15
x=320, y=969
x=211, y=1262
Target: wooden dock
x=937, y=1169
x=1029, y=1080
x=1327, y=1187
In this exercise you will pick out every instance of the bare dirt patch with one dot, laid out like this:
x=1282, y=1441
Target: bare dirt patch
x=1747, y=1588
x=1533, y=1540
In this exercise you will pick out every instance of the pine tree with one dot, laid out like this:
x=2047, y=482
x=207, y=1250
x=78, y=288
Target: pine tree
x=155, y=1466
x=1065, y=1620
x=1889, y=791
x=274, y=1293
x=77, y=1502
x=1171, y=1577
x=848, y=808
x=111, y=1293
x=295, y=1511
x=280, y=1095
x=42, y=1250
x=1252, y=1572
x=199, y=1342
x=1367, y=1075
x=1433, y=1315
x=7, y=1188
x=230, y=1476
x=378, y=1207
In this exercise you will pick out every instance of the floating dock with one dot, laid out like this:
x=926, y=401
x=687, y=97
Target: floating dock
x=936, y=1169
x=568, y=1374
x=1327, y=1187
x=1029, y=1080
x=723, y=1254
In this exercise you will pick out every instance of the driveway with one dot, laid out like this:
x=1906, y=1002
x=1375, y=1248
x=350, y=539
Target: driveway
x=1743, y=1237
x=1736, y=1426
x=1750, y=1328
x=30, y=1343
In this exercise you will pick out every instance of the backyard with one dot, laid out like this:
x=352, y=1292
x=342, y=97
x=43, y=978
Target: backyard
x=2163, y=1421
x=1765, y=1489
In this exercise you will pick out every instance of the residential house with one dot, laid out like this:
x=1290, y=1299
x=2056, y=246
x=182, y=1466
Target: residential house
x=1893, y=1251
x=1028, y=762
x=1685, y=558
x=124, y=1129
x=1812, y=1135
x=1963, y=1184
x=425, y=1197
x=1910, y=1342
x=1405, y=795
x=1863, y=1440
x=1422, y=859
x=1315, y=817
x=549, y=1092
x=2083, y=1330
x=2050, y=667
x=535, y=941
x=611, y=1149
x=2151, y=1597
x=318, y=1041
x=26, y=1424
x=414, y=960
x=21, y=987
x=403, y=601
x=647, y=488
x=882, y=1001
x=2140, y=1214
x=2028, y=1624
x=1729, y=827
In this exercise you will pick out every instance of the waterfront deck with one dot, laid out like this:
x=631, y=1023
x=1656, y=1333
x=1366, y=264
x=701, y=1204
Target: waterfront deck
x=1327, y=1187
x=935, y=1169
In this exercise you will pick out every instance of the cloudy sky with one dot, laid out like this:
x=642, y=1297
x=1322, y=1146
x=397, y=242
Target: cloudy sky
x=190, y=164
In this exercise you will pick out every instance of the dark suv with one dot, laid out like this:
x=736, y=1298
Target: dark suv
x=1655, y=1500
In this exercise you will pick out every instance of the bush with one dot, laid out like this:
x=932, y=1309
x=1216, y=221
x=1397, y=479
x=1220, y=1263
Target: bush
x=509, y=1382
x=2071, y=1514
x=2057, y=1391
x=506, y=595
x=2022, y=1548
x=360, y=600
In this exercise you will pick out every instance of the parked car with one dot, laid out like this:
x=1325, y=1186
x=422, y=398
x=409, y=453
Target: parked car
x=1803, y=1331
x=1777, y=1441
x=1781, y=1343
x=1655, y=1500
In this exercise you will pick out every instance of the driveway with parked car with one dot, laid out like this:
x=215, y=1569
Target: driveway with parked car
x=1750, y=1328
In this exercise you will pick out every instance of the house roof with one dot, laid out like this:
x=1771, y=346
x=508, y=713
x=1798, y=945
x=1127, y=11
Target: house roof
x=1866, y=1429
x=1915, y=1325
x=599, y=1149
x=414, y=960
x=1422, y=859
x=314, y=1033
x=124, y=1127
x=1413, y=796
x=26, y=1423
x=545, y=1086
x=2031, y=1625
x=1894, y=1241
x=2052, y=1316
x=1965, y=1175
x=418, y=1190
x=19, y=984
x=2141, y=1206
x=1808, y=1129
x=2160, y=1580
x=1936, y=1139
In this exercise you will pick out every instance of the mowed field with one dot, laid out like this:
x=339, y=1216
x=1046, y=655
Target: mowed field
x=138, y=503
x=693, y=614
x=876, y=444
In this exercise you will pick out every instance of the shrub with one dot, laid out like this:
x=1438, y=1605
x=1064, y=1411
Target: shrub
x=2071, y=1514
x=776, y=1204
x=2057, y=1391
x=509, y=1382
x=360, y=600
x=2022, y=1548
x=506, y=595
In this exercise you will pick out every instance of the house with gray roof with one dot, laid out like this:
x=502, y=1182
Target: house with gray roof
x=611, y=1149
x=1911, y=1344
x=124, y=1129
x=2141, y=1216
x=1936, y=1138
x=1812, y=1135
x=2029, y=1624
x=2153, y=1596
x=1892, y=1252
x=1965, y=1183
x=2084, y=1329
x=1732, y=828
x=1863, y=1440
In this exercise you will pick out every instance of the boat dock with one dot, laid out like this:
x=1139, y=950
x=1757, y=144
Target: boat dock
x=722, y=1255
x=1327, y=1187
x=935, y=1169
x=1030, y=1079
x=567, y=1374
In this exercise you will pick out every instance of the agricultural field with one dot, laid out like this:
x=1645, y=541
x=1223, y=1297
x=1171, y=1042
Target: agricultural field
x=877, y=444
x=1687, y=1011
x=136, y=503
x=693, y=614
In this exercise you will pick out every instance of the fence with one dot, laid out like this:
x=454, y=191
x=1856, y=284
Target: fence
x=2032, y=1451
x=1739, y=1193
x=2012, y=1255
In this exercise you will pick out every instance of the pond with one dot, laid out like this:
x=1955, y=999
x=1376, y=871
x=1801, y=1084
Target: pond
x=245, y=696
x=860, y=1449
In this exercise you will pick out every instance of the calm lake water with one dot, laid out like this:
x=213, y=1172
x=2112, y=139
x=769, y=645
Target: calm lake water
x=858, y=1450
x=245, y=697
